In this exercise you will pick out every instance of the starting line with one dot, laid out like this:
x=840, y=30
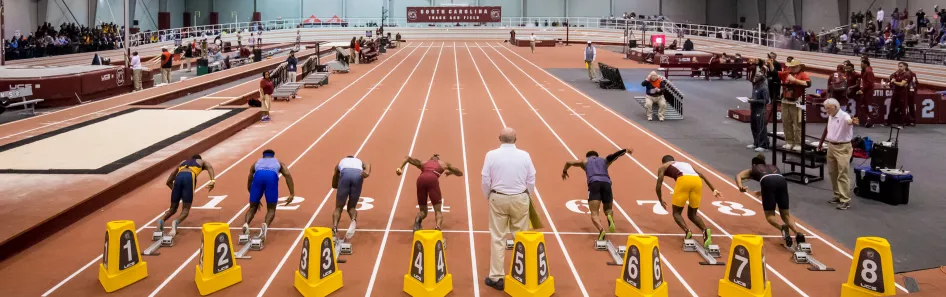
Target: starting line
x=254, y=243
x=708, y=254
x=161, y=240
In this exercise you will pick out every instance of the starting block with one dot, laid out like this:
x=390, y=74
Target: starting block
x=343, y=245
x=252, y=244
x=509, y=244
x=616, y=252
x=121, y=264
x=709, y=255
x=801, y=254
x=161, y=240
x=325, y=277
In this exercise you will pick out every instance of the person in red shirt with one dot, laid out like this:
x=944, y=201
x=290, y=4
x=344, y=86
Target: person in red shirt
x=900, y=82
x=853, y=85
x=866, y=93
x=357, y=52
x=837, y=84
x=266, y=87
x=912, y=84
x=794, y=83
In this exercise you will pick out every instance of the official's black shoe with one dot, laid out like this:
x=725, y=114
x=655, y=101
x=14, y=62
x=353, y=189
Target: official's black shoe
x=499, y=284
x=844, y=206
x=835, y=201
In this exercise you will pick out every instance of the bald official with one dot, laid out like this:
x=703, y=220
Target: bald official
x=508, y=178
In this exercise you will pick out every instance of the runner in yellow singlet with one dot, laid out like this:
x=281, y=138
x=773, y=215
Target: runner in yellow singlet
x=688, y=190
x=183, y=182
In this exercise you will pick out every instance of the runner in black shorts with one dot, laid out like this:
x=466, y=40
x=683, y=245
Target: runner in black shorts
x=599, y=185
x=774, y=194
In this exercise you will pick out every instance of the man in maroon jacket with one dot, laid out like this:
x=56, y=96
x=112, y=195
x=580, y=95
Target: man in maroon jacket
x=866, y=93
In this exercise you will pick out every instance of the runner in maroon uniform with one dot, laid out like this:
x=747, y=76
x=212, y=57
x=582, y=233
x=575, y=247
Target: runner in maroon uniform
x=428, y=186
x=866, y=93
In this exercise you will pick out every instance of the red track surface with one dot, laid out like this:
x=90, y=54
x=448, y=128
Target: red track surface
x=445, y=99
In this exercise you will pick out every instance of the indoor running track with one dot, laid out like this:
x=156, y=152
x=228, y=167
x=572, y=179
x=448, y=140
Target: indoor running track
x=449, y=98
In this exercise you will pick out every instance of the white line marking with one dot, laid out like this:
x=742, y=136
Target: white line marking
x=621, y=209
x=73, y=275
x=561, y=244
x=397, y=196
x=642, y=166
x=692, y=161
x=358, y=152
x=466, y=179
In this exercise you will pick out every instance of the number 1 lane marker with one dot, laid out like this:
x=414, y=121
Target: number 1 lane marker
x=99, y=257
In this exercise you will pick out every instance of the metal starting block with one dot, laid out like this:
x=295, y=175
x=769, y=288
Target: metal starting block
x=243, y=239
x=509, y=244
x=709, y=255
x=800, y=256
x=252, y=244
x=616, y=252
x=161, y=240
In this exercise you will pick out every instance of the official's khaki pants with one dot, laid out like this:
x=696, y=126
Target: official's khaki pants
x=187, y=64
x=839, y=169
x=266, y=102
x=661, y=106
x=791, y=122
x=532, y=46
x=507, y=214
x=291, y=76
x=166, y=73
x=137, y=77
x=591, y=69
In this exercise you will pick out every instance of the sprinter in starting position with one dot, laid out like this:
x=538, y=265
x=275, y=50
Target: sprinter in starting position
x=599, y=185
x=183, y=182
x=428, y=186
x=774, y=194
x=687, y=190
x=264, y=180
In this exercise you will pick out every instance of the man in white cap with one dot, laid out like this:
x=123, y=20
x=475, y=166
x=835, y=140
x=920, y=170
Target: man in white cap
x=590, y=53
x=654, y=93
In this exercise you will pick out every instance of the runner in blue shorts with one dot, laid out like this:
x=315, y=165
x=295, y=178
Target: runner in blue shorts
x=264, y=180
x=183, y=182
x=350, y=175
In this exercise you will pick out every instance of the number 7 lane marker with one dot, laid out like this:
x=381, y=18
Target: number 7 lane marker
x=712, y=172
x=327, y=195
x=237, y=215
x=74, y=274
x=643, y=168
x=569, y=151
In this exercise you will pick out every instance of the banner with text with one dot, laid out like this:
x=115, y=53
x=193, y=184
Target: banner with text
x=466, y=14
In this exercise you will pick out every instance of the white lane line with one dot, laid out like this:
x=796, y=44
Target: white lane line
x=561, y=244
x=99, y=257
x=726, y=233
x=327, y=195
x=692, y=161
x=237, y=215
x=400, y=186
x=621, y=209
x=466, y=179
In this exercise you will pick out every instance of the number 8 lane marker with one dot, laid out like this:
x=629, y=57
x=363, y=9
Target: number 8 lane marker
x=74, y=274
x=641, y=165
x=655, y=138
x=554, y=230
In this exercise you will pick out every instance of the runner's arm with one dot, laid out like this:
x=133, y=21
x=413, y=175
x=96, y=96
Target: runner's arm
x=743, y=175
x=171, y=178
x=660, y=179
x=570, y=164
x=289, y=182
x=613, y=157
x=412, y=161
x=249, y=180
x=335, y=178
x=710, y=185
x=366, y=170
x=452, y=170
x=210, y=170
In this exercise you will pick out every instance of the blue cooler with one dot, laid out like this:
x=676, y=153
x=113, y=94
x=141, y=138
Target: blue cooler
x=887, y=188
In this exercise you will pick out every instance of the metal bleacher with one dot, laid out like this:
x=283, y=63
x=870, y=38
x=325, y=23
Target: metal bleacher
x=674, y=99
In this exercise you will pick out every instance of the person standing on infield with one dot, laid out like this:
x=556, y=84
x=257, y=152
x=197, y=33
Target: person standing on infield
x=838, y=133
x=599, y=185
x=350, y=175
x=774, y=193
x=508, y=180
x=590, y=54
x=688, y=190
x=183, y=183
x=532, y=42
x=264, y=180
x=428, y=186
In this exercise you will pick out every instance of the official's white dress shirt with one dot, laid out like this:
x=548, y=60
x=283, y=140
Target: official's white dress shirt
x=839, y=130
x=135, y=62
x=508, y=170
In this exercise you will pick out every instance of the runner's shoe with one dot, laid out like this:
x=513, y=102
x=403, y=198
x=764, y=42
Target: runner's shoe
x=174, y=226
x=787, y=236
x=689, y=235
x=335, y=232
x=351, y=231
x=161, y=225
x=800, y=238
x=707, y=238
x=246, y=229
x=601, y=235
x=416, y=224
x=262, y=232
x=610, y=223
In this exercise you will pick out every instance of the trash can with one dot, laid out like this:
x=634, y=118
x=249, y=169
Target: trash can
x=257, y=55
x=202, y=67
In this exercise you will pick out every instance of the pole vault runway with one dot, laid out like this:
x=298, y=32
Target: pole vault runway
x=447, y=98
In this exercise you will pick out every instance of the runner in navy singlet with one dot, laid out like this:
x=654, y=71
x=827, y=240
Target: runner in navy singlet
x=183, y=182
x=428, y=186
x=599, y=185
x=774, y=194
